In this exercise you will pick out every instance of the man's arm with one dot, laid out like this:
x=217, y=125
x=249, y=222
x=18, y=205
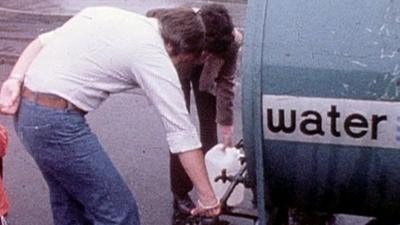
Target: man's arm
x=25, y=60
x=157, y=77
x=11, y=88
x=225, y=90
x=193, y=163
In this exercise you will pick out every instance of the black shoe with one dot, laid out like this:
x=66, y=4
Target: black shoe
x=182, y=208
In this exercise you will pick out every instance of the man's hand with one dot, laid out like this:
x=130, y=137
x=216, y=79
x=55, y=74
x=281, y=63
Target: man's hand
x=10, y=93
x=226, y=135
x=193, y=163
x=10, y=96
x=209, y=210
x=238, y=36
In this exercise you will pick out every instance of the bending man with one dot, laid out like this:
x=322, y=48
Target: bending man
x=68, y=72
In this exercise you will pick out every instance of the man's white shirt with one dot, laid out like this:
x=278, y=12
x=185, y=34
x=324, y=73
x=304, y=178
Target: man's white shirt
x=104, y=50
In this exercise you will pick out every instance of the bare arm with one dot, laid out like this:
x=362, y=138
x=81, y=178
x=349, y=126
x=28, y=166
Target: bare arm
x=157, y=77
x=11, y=88
x=26, y=58
x=193, y=163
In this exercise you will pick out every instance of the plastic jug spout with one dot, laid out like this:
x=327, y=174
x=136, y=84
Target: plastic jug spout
x=223, y=165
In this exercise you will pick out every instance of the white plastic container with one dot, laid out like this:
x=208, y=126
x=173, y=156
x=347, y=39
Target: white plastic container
x=216, y=160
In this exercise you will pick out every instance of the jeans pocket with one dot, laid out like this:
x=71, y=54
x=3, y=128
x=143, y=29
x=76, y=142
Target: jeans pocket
x=35, y=137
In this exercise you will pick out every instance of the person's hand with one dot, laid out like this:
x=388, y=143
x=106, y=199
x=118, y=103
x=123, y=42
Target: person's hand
x=209, y=210
x=238, y=36
x=10, y=96
x=226, y=135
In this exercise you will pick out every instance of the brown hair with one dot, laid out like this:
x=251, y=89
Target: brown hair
x=182, y=28
x=219, y=28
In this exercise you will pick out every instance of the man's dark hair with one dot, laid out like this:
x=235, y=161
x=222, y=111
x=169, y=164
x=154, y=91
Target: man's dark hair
x=182, y=28
x=219, y=28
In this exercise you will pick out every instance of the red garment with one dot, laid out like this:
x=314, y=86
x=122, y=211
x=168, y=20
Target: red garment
x=4, y=203
x=3, y=141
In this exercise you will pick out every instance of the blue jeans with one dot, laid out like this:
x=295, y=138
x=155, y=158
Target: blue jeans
x=85, y=187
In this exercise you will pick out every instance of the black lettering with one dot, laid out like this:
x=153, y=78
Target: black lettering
x=316, y=122
x=356, y=121
x=281, y=121
x=375, y=121
x=334, y=115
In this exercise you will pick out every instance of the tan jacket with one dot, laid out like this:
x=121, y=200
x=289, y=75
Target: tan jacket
x=217, y=78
